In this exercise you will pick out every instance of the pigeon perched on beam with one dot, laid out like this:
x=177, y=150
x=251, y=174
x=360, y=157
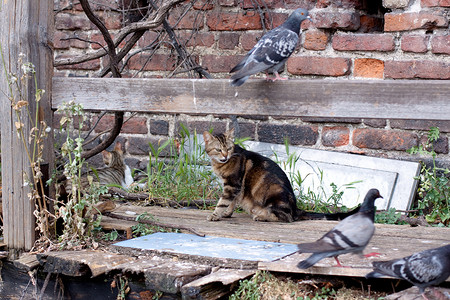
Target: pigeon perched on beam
x=272, y=50
x=351, y=235
x=422, y=269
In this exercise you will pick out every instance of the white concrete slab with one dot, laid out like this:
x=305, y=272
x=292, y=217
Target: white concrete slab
x=394, y=178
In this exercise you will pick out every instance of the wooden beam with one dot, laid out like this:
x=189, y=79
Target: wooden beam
x=386, y=99
x=25, y=28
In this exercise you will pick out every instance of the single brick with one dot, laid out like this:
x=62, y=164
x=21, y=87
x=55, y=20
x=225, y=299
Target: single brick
x=363, y=42
x=220, y=64
x=60, y=40
x=370, y=24
x=316, y=40
x=249, y=39
x=414, y=20
x=78, y=39
x=111, y=20
x=339, y=4
x=253, y=4
x=203, y=5
x=228, y=40
x=335, y=136
x=272, y=20
x=384, y=139
x=66, y=21
x=200, y=126
x=201, y=39
x=247, y=130
x=440, y=44
x=227, y=2
x=296, y=134
x=88, y=65
x=434, y=3
x=444, y=126
x=233, y=21
x=101, y=5
x=191, y=20
x=415, y=43
x=395, y=3
x=159, y=127
x=140, y=145
x=135, y=125
x=426, y=69
x=157, y=62
x=439, y=146
x=336, y=20
x=316, y=65
x=378, y=123
x=330, y=120
x=148, y=38
x=368, y=68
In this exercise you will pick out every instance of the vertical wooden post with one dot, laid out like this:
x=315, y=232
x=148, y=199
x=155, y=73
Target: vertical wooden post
x=25, y=27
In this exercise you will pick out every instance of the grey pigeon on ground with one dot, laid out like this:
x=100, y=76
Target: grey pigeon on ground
x=272, y=50
x=351, y=235
x=423, y=269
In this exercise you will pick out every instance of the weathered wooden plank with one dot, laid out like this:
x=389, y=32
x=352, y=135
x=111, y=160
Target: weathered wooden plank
x=214, y=285
x=30, y=23
x=82, y=263
x=27, y=262
x=392, y=241
x=388, y=99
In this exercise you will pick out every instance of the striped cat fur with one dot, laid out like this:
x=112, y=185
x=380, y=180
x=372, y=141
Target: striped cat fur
x=255, y=183
x=113, y=173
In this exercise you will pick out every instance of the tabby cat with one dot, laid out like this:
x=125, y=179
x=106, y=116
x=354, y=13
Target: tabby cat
x=113, y=173
x=254, y=182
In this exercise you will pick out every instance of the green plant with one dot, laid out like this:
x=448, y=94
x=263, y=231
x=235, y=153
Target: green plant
x=80, y=222
x=312, y=198
x=249, y=289
x=183, y=174
x=111, y=236
x=141, y=229
x=434, y=184
x=390, y=216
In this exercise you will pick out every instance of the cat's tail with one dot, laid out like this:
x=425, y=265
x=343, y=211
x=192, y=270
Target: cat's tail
x=305, y=215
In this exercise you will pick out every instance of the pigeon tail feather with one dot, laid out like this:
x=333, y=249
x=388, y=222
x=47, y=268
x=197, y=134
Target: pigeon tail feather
x=312, y=260
x=239, y=81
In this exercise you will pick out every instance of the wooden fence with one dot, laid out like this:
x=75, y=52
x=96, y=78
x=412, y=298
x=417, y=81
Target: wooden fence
x=30, y=23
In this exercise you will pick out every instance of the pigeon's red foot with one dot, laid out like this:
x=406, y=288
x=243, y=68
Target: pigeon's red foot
x=277, y=77
x=338, y=264
x=372, y=254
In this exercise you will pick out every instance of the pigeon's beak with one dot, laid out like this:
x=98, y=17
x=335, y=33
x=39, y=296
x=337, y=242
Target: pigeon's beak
x=309, y=18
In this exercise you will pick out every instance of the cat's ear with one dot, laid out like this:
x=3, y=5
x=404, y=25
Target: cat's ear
x=230, y=134
x=207, y=136
x=107, y=156
x=118, y=147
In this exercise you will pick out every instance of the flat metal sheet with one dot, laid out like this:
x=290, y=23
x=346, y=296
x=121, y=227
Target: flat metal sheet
x=210, y=246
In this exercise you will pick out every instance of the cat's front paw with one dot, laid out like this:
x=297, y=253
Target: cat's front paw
x=213, y=217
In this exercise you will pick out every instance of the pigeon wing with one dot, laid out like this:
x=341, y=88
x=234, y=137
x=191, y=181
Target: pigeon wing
x=273, y=48
x=423, y=267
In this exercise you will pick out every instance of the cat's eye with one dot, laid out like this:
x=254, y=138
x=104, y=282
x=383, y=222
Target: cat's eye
x=218, y=150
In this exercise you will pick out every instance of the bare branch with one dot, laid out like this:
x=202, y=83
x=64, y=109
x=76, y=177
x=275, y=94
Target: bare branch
x=154, y=20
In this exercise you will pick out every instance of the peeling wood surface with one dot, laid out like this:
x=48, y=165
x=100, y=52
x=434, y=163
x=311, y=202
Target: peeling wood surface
x=27, y=262
x=387, y=99
x=82, y=263
x=215, y=285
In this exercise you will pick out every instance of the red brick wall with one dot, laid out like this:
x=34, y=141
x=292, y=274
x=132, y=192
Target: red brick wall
x=348, y=39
